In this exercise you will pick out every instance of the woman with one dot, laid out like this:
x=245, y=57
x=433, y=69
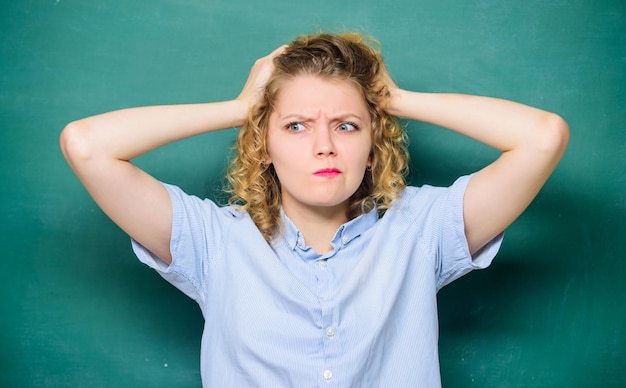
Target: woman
x=325, y=267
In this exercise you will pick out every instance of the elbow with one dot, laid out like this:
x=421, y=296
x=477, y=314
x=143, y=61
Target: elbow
x=554, y=135
x=73, y=141
x=560, y=130
x=75, y=144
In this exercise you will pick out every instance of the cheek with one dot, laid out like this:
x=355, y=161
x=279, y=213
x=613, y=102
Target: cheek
x=283, y=150
x=285, y=159
x=277, y=154
x=367, y=154
x=269, y=148
x=272, y=140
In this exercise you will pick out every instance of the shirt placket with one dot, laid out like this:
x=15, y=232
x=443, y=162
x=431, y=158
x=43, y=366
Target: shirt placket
x=328, y=332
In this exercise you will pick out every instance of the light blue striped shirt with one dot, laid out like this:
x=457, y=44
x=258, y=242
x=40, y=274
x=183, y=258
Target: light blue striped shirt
x=280, y=315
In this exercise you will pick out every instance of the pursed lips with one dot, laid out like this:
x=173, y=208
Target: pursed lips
x=327, y=172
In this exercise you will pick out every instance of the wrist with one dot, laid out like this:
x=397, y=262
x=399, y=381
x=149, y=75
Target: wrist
x=395, y=103
x=240, y=110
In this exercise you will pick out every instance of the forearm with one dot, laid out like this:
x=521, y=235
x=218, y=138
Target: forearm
x=531, y=140
x=125, y=134
x=502, y=124
x=100, y=149
x=128, y=133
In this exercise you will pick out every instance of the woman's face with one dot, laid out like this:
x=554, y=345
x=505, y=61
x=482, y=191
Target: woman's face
x=319, y=140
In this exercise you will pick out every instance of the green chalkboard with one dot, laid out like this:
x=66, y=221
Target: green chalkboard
x=78, y=310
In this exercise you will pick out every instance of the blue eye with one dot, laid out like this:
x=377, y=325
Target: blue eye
x=295, y=127
x=345, y=127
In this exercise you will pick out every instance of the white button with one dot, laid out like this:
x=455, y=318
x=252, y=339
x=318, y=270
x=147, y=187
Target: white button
x=345, y=239
x=330, y=331
x=322, y=263
x=328, y=374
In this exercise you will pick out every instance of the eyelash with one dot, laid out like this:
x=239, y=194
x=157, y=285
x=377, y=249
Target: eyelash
x=354, y=125
x=288, y=126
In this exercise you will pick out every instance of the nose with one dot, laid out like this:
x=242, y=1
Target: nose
x=324, y=143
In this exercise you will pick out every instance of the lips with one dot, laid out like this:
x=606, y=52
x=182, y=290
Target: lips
x=327, y=172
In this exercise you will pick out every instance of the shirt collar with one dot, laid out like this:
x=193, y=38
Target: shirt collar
x=347, y=232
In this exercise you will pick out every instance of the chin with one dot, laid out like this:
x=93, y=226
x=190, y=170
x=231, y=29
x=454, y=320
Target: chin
x=329, y=203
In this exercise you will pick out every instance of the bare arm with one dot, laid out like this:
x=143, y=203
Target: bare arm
x=99, y=150
x=532, y=142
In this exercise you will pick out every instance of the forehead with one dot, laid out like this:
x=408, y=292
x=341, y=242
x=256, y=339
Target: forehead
x=310, y=94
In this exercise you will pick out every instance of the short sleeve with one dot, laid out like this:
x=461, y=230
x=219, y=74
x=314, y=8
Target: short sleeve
x=453, y=255
x=196, y=229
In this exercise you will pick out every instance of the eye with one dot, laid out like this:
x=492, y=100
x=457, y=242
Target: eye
x=346, y=127
x=294, y=127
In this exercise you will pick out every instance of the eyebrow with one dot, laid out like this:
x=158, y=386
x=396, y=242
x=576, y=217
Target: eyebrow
x=305, y=118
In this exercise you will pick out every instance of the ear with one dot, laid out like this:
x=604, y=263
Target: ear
x=267, y=161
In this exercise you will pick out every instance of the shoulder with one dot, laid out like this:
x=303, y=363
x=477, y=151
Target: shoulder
x=202, y=217
x=420, y=201
x=202, y=227
x=182, y=199
x=427, y=193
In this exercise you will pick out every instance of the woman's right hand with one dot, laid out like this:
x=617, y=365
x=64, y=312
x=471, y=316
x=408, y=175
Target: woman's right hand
x=258, y=77
x=99, y=150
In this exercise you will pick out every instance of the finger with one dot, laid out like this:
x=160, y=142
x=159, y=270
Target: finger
x=280, y=50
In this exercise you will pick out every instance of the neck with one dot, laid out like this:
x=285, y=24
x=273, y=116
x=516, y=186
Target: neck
x=318, y=225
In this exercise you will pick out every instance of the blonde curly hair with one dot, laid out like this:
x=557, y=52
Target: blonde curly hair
x=254, y=186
